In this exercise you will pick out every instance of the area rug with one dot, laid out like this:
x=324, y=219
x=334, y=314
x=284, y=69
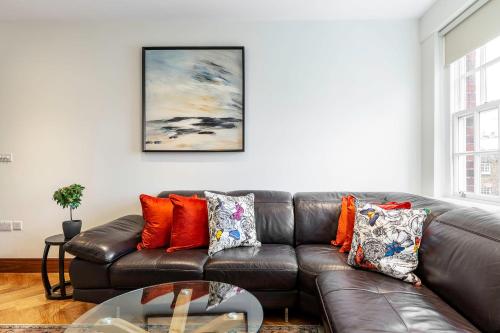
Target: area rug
x=156, y=328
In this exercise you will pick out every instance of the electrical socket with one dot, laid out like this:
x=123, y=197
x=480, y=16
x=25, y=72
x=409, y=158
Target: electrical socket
x=5, y=225
x=17, y=225
x=6, y=157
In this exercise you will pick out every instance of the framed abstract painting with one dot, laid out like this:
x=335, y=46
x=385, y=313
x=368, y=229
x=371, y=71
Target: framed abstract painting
x=193, y=99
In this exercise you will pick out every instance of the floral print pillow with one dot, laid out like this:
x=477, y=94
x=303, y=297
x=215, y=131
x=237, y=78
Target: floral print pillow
x=231, y=222
x=387, y=241
x=220, y=292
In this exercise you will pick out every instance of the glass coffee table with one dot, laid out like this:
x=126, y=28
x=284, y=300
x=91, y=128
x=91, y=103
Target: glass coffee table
x=178, y=307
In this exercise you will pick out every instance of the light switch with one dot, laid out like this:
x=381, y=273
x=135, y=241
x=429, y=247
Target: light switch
x=6, y=157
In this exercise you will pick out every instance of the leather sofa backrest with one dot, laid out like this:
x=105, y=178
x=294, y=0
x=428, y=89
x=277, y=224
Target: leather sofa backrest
x=273, y=213
x=460, y=261
x=317, y=214
x=436, y=207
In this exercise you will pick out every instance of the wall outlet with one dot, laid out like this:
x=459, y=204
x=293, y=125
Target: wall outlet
x=6, y=157
x=17, y=225
x=5, y=225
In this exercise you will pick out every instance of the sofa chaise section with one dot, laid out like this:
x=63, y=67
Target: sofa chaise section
x=316, y=220
x=316, y=217
x=361, y=301
x=460, y=262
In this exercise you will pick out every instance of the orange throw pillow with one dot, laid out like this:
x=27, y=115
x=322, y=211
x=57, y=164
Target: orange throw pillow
x=190, y=223
x=351, y=217
x=342, y=225
x=157, y=213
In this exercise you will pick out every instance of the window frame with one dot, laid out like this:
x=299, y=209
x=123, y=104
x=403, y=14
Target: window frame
x=475, y=112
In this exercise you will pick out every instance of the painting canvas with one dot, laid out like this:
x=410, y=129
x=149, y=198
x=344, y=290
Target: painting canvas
x=193, y=99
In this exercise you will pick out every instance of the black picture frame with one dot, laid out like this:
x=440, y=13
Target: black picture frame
x=143, y=136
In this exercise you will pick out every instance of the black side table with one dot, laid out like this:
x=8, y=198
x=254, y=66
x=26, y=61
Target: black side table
x=57, y=291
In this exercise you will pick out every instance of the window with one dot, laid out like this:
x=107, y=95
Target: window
x=486, y=190
x=485, y=168
x=475, y=105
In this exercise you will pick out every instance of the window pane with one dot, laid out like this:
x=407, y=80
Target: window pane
x=492, y=49
x=488, y=130
x=466, y=173
x=472, y=60
x=453, y=89
x=466, y=93
x=460, y=98
x=470, y=89
x=493, y=82
x=461, y=63
x=466, y=134
x=472, y=81
x=489, y=175
x=464, y=89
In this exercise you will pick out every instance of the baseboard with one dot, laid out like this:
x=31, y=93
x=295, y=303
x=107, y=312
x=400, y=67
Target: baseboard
x=30, y=265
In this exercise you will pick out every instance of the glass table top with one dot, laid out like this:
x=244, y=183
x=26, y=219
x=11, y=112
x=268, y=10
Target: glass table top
x=178, y=307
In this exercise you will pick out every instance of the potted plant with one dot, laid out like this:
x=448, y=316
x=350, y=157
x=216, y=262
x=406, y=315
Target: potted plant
x=70, y=196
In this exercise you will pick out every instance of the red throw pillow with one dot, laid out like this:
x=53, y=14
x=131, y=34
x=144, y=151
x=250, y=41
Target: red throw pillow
x=395, y=205
x=157, y=213
x=190, y=223
x=150, y=293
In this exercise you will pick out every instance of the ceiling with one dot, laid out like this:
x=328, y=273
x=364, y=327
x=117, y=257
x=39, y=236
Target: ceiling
x=69, y=10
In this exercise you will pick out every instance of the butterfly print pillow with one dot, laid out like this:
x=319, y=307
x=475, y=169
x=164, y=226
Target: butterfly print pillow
x=387, y=241
x=231, y=222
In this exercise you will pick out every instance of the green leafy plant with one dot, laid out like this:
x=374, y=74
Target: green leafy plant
x=69, y=196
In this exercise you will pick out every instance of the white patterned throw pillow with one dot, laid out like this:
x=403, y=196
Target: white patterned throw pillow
x=387, y=241
x=231, y=222
x=219, y=292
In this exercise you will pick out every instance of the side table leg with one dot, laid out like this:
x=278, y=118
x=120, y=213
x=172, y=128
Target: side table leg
x=62, y=283
x=45, y=277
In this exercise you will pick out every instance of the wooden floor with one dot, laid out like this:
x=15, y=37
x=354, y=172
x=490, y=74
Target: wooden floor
x=22, y=301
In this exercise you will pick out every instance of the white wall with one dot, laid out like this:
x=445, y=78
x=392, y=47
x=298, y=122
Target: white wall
x=435, y=123
x=428, y=91
x=329, y=106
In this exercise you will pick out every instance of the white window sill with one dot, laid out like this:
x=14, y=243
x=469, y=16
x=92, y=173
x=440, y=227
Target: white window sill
x=468, y=202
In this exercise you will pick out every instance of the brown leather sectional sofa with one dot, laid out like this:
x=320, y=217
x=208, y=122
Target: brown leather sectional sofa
x=296, y=267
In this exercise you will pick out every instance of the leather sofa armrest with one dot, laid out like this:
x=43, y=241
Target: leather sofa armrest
x=106, y=243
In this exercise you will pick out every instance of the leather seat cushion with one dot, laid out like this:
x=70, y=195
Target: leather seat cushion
x=361, y=301
x=152, y=266
x=269, y=267
x=315, y=259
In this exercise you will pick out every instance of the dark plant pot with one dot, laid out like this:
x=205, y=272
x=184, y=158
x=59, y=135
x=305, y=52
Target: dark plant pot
x=71, y=228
